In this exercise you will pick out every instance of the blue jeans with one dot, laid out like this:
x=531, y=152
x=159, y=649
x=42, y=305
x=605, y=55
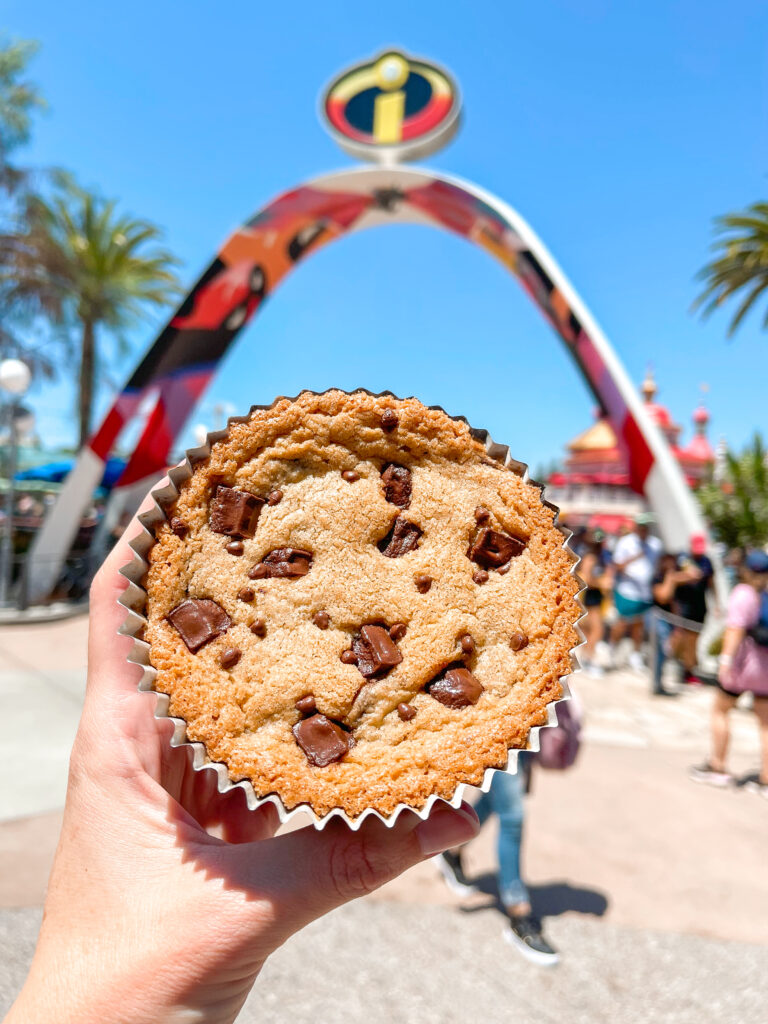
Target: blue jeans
x=505, y=799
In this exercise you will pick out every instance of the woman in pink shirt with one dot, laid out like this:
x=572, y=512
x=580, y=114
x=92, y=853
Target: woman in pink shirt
x=743, y=669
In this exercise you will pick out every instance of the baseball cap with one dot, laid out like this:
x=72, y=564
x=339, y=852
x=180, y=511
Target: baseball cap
x=698, y=543
x=644, y=519
x=757, y=561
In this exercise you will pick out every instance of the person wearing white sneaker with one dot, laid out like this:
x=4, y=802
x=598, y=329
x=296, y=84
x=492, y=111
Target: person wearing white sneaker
x=634, y=559
x=743, y=669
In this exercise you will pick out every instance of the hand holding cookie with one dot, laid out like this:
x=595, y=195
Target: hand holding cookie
x=165, y=897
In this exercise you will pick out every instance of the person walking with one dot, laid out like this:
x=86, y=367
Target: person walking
x=634, y=560
x=696, y=577
x=743, y=669
x=505, y=800
x=663, y=588
x=593, y=570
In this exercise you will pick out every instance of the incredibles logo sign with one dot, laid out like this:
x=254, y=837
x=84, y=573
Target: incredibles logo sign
x=393, y=108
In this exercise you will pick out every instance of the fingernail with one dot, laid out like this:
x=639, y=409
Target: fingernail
x=445, y=827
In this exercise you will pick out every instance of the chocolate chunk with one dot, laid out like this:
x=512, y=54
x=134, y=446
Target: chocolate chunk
x=482, y=515
x=490, y=549
x=234, y=512
x=322, y=620
x=199, y=620
x=376, y=651
x=518, y=641
x=402, y=538
x=397, y=484
x=230, y=657
x=322, y=740
x=245, y=594
x=179, y=527
x=306, y=705
x=467, y=644
x=350, y=476
x=290, y=562
x=406, y=712
x=234, y=547
x=389, y=420
x=481, y=576
x=259, y=627
x=458, y=688
x=398, y=630
x=274, y=497
x=349, y=657
x=423, y=582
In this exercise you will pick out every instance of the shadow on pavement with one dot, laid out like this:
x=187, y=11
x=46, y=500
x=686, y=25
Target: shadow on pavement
x=549, y=900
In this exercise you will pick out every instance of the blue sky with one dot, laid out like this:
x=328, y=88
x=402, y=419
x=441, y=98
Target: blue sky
x=617, y=128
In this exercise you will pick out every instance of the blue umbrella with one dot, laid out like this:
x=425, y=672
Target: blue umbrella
x=55, y=472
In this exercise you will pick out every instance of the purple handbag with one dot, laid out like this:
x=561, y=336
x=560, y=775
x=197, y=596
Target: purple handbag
x=560, y=743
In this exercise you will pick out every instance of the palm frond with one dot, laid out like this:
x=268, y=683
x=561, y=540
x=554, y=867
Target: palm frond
x=742, y=244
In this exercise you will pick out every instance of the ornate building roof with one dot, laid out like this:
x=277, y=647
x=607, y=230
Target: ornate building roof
x=699, y=448
x=594, y=455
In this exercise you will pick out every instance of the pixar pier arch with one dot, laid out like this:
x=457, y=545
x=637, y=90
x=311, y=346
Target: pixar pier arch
x=389, y=109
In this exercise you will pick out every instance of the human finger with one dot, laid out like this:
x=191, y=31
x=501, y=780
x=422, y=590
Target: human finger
x=307, y=873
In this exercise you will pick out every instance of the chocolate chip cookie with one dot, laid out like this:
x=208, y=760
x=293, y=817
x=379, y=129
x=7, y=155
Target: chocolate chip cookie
x=352, y=605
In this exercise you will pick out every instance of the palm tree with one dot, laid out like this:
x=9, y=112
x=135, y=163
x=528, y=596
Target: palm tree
x=19, y=99
x=84, y=266
x=742, y=264
x=737, y=506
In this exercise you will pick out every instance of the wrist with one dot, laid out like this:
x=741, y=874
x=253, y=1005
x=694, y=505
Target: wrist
x=35, y=1003
x=69, y=994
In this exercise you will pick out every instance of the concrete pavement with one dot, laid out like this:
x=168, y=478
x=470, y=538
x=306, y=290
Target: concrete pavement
x=381, y=962
x=42, y=682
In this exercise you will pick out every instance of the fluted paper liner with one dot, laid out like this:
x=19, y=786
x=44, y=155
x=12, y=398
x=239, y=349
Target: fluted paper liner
x=134, y=601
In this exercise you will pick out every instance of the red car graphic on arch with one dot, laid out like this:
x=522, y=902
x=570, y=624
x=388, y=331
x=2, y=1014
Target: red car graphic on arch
x=224, y=297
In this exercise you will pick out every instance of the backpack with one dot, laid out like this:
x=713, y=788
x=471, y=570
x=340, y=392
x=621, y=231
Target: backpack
x=759, y=632
x=559, y=744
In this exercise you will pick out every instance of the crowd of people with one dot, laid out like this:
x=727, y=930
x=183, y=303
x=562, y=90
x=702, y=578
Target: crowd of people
x=660, y=600
x=635, y=589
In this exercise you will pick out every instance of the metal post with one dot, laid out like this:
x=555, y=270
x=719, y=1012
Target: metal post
x=6, y=562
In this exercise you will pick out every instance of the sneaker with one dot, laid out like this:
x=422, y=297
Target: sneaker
x=691, y=679
x=593, y=669
x=450, y=867
x=603, y=654
x=756, y=786
x=706, y=773
x=636, y=661
x=524, y=933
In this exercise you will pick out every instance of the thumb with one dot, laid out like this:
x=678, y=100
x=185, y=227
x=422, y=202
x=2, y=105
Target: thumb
x=307, y=873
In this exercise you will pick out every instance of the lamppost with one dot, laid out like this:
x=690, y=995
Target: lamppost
x=14, y=381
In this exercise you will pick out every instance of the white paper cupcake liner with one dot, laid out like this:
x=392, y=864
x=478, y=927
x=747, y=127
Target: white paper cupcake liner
x=134, y=601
